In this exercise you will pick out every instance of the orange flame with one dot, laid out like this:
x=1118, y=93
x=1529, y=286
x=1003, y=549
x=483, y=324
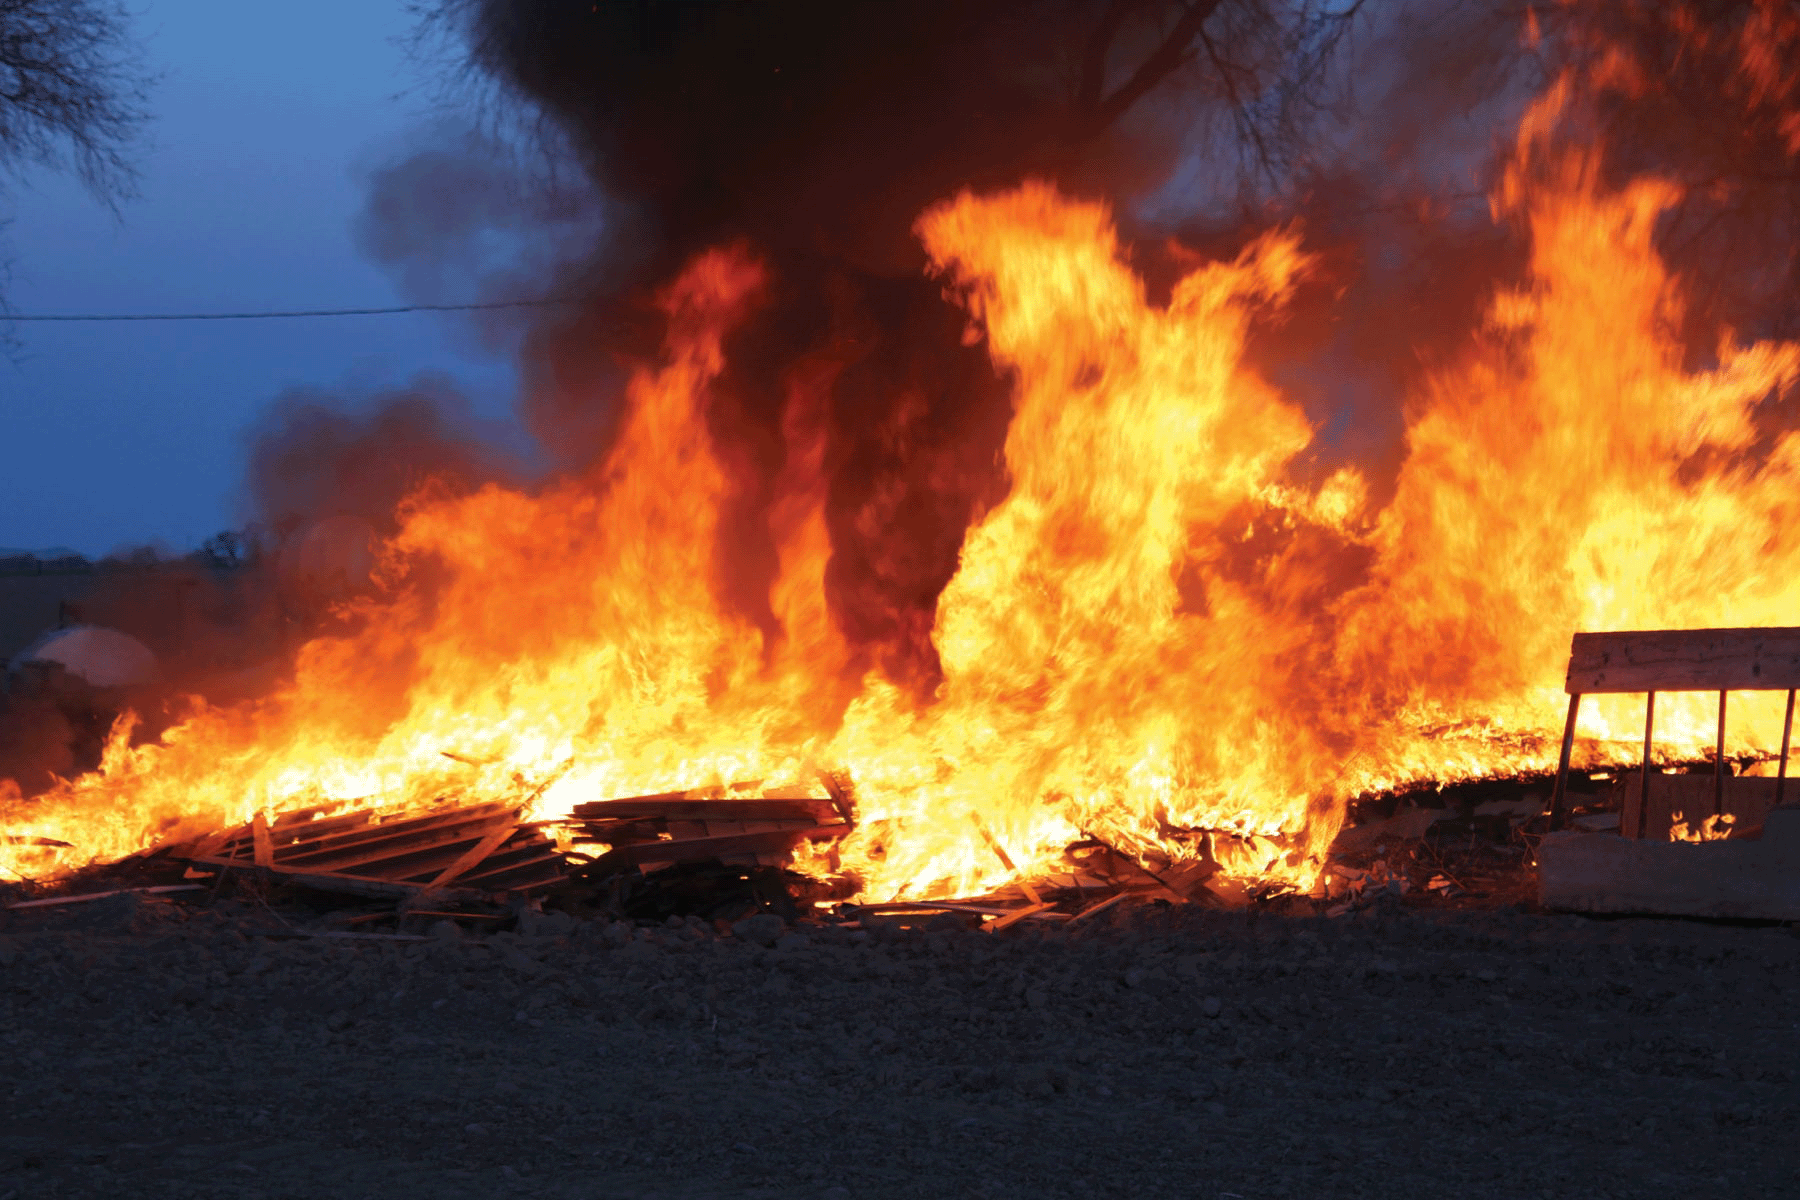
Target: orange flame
x=1146, y=637
x=1716, y=827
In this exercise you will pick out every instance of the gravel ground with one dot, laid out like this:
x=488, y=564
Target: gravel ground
x=152, y=1049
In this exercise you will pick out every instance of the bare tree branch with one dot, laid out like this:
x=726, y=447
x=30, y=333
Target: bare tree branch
x=1099, y=46
x=1249, y=131
x=72, y=92
x=1176, y=50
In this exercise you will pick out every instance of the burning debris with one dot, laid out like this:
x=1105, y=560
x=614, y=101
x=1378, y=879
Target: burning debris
x=467, y=850
x=1030, y=539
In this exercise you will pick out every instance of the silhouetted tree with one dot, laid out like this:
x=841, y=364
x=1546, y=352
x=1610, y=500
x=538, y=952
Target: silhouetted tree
x=72, y=93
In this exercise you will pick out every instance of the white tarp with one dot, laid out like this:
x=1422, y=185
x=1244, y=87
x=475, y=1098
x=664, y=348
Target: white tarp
x=103, y=657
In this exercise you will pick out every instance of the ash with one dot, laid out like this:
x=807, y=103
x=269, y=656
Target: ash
x=158, y=1048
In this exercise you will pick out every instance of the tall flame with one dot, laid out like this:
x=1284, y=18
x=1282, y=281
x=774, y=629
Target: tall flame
x=1155, y=631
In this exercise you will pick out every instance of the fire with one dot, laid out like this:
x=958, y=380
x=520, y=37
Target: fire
x=1716, y=827
x=1153, y=633
x=1572, y=474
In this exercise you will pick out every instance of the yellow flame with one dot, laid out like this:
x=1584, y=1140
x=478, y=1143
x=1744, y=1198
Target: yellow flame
x=1159, y=629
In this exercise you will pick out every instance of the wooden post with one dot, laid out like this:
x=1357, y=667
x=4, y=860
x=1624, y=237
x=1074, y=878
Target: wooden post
x=261, y=845
x=1719, y=762
x=1562, y=763
x=1787, y=734
x=1644, y=783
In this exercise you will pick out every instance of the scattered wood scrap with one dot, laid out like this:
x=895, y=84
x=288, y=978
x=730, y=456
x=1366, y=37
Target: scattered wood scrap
x=85, y=897
x=648, y=832
x=469, y=850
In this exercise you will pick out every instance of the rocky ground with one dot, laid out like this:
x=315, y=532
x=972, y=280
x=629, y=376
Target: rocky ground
x=153, y=1048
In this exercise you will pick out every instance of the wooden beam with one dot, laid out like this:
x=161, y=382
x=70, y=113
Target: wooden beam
x=1015, y=916
x=490, y=874
x=259, y=833
x=1084, y=914
x=1560, y=790
x=841, y=798
x=1006, y=861
x=474, y=854
x=1685, y=660
x=894, y=906
x=1787, y=736
x=680, y=809
x=402, y=844
x=54, y=901
x=1644, y=787
x=776, y=841
x=334, y=834
x=1719, y=762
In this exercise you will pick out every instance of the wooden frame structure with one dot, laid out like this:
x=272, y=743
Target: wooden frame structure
x=1680, y=660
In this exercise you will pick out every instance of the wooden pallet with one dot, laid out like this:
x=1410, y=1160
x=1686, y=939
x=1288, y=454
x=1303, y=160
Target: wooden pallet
x=480, y=848
x=678, y=827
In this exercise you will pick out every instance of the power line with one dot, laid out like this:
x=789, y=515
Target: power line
x=261, y=316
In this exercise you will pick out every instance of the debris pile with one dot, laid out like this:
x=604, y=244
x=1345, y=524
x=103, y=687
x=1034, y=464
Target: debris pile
x=467, y=850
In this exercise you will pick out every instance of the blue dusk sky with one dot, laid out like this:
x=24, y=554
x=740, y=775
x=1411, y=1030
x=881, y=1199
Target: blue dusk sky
x=268, y=119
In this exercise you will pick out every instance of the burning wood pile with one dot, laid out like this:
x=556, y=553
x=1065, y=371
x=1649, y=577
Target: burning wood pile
x=468, y=850
x=1027, y=539
x=726, y=853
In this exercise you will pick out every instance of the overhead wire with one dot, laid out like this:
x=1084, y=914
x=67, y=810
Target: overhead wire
x=268, y=315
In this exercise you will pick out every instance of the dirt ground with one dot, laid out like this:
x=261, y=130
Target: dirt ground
x=160, y=1049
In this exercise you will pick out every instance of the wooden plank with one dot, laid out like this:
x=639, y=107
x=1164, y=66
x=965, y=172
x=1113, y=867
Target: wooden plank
x=407, y=855
x=297, y=816
x=897, y=906
x=394, y=825
x=695, y=849
x=332, y=834
x=615, y=833
x=351, y=885
x=541, y=871
x=1015, y=916
x=474, y=854
x=1685, y=660
x=386, y=849
x=1645, y=771
x=1101, y=907
x=653, y=798
x=55, y=901
x=301, y=823
x=1719, y=761
x=1787, y=737
x=1006, y=861
x=338, y=935
x=838, y=786
x=1160, y=884
x=211, y=844
x=429, y=912
x=512, y=853
x=259, y=835
x=680, y=809
x=1560, y=791
x=512, y=856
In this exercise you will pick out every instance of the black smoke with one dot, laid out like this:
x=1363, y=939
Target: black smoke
x=815, y=132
